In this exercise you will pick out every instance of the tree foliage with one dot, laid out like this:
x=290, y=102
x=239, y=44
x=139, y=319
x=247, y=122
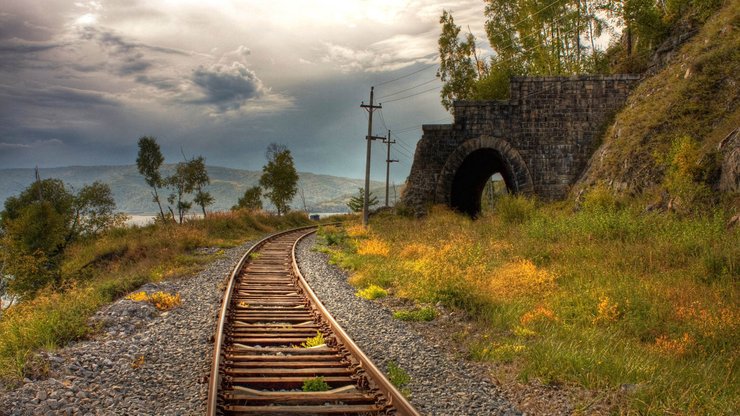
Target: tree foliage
x=357, y=202
x=251, y=200
x=148, y=162
x=199, y=177
x=190, y=176
x=279, y=178
x=39, y=224
x=180, y=184
x=457, y=68
x=546, y=37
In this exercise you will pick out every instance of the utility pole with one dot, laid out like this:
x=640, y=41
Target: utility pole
x=388, y=162
x=370, y=108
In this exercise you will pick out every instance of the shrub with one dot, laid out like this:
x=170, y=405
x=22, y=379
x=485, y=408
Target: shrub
x=161, y=300
x=515, y=209
x=600, y=198
x=372, y=292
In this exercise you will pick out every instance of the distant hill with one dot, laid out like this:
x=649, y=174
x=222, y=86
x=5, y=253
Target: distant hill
x=323, y=193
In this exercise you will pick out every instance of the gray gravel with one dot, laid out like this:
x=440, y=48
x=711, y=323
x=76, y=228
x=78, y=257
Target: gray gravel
x=142, y=362
x=147, y=362
x=440, y=384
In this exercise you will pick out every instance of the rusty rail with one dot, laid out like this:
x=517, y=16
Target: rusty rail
x=268, y=310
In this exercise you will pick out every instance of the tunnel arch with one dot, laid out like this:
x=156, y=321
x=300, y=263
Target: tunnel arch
x=471, y=164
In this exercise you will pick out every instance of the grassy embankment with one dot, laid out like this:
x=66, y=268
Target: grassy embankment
x=606, y=298
x=100, y=270
x=642, y=308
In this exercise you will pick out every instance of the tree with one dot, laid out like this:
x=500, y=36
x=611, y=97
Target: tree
x=527, y=37
x=94, y=209
x=149, y=161
x=181, y=184
x=456, y=67
x=355, y=203
x=279, y=177
x=252, y=200
x=198, y=175
x=38, y=225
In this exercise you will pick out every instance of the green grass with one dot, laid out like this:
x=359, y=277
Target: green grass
x=424, y=314
x=399, y=378
x=603, y=297
x=98, y=271
x=315, y=384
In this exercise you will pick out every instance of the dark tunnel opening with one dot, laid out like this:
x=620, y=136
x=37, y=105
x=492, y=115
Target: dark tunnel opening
x=472, y=177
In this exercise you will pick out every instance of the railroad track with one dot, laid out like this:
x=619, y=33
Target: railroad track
x=260, y=365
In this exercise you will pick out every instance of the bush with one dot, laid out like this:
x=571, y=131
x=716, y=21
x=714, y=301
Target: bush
x=372, y=292
x=515, y=209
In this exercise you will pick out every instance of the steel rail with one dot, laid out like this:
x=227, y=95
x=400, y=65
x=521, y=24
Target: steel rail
x=368, y=382
x=215, y=379
x=395, y=398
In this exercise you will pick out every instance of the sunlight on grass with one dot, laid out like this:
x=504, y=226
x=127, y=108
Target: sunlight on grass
x=603, y=297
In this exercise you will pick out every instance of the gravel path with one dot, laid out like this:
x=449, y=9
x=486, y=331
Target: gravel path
x=144, y=362
x=440, y=384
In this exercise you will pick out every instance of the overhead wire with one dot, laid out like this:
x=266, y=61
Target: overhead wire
x=412, y=95
x=408, y=89
x=407, y=75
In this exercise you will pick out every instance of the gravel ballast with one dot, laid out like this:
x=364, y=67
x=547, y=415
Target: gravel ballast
x=147, y=362
x=143, y=362
x=440, y=384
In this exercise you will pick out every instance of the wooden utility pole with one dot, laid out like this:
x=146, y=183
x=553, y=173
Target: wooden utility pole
x=369, y=138
x=388, y=162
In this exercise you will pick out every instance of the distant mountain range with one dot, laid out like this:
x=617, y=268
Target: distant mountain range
x=323, y=193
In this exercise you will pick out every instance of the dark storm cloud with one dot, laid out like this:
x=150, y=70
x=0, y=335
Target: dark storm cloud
x=14, y=26
x=16, y=54
x=55, y=97
x=126, y=58
x=227, y=87
x=19, y=46
x=134, y=64
x=123, y=46
x=161, y=83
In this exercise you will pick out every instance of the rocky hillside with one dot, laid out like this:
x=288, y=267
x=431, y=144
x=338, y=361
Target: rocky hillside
x=323, y=193
x=683, y=118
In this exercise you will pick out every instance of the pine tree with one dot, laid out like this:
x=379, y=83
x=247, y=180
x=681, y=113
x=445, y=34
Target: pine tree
x=356, y=203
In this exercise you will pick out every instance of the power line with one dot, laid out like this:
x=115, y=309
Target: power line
x=408, y=89
x=413, y=95
x=408, y=128
x=382, y=119
x=407, y=75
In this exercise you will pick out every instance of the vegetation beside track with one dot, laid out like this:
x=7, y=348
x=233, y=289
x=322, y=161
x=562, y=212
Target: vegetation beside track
x=643, y=308
x=99, y=270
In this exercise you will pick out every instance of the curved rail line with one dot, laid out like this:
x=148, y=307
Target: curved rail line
x=259, y=366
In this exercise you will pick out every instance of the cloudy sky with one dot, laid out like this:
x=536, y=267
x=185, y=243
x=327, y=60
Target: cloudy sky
x=80, y=82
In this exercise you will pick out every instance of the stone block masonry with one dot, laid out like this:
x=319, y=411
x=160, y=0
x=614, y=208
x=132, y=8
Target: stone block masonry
x=539, y=140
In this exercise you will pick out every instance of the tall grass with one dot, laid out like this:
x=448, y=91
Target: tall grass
x=605, y=297
x=103, y=269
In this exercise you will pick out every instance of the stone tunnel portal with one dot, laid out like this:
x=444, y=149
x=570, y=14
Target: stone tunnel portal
x=471, y=178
